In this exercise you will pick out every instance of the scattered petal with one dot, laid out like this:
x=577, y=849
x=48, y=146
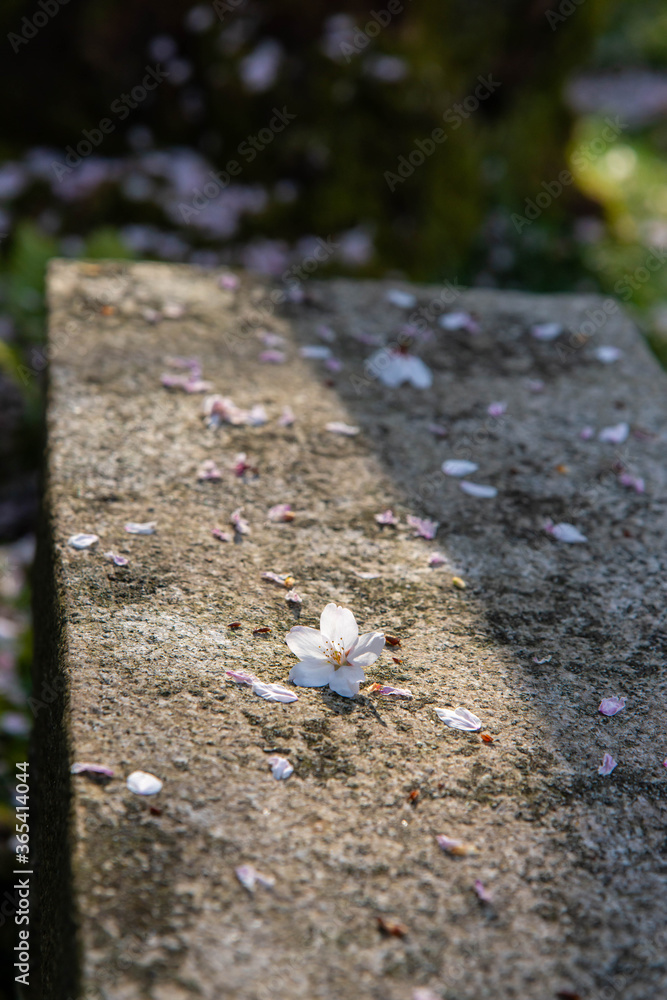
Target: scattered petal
x=616, y=434
x=366, y=576
x=273, y=357
x=83, y=541
x=249, y=877
x=228, y=281
x=635, y=483
x=116, y=559
x=274, y=692
x=546, y=331
x=404, y=300
x=586, y=433
x=143, y=783
x=293, y=598
x=337, y=427
x=141, y=528
x=564, y=532
x=173, y=310
x=257, y=416
x=315, y=352
x=458, y=467
x=608, y=764
x=280, y=767
x=333, y=365
x=186, y=383
x=459, y=848
x=386, y=517
x=92, y=769
x=423, y=528
x=496, y=409
x=222, y=536
x=542, y=660
x=425, y=994
x=395, y=367
x=325, y=333
x=483, y=894
x=436, y=559
x=610, y=706
x=240, y=676
x=239, y=522
x=459, y=583
x=208, y=471
x=478, y=489
x=607, y=354
x=459, y=718
x=241, y=465
x=281, y=512
x=535, y=385
x=388, y=691
x=286, y=419
x=270, y=339
x=459, y=321
x=437, y=430
x=282, y=579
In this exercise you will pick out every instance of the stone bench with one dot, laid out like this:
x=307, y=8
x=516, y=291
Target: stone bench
x=138, y=898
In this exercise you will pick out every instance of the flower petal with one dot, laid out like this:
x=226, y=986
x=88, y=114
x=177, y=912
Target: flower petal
x=459, y=718
x=274, y=692
x=339, y=625
x=608, y=764
x=307, y=642
x=311, y=672
x=366, y=649
x=280, y=767
x=610, y=706
x=346, y=680
x=458, y=467
x=143, y=783
x=478, y=490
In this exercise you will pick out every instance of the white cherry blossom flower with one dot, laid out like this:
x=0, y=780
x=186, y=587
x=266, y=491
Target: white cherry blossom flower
x=335, y=654
x=394, y=367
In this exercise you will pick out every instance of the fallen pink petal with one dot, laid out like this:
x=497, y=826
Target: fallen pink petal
x=281, y=512
x=144, y=783
x=616, y=434
x=241, y=465
x=458, y=467
x=240, y=677
x=459, y=718
x=270, y=339
x=388, y=691
x=425, y=994
x=438, y=430
x=208, y=471
x=395, y=367
x=611, y=706
x=293, y=598
x=274, y=692
x=273, y=357
x=459, y=848
x=404, y=300
x=586, y=433
x=281, y=768
x=635, y=483
x=315, y=352
x=239, y=522
x=325, y=333
x=459, y=321
x=608, y=764
x=535, y=385
x=496, y=409
x=222, y=536
x=282, y=579
x=386, y=517
x=173, y=310
x=141, y=528
x=333, y=365
x=286, y=418
x=338, y=427
x=546, y=331
x=230, y=282
x=479, y=490
x=249, y=877
x=366, y=574
x=116, y=559
x=564, y=532
x=422, y=527
x=85, y=768
x=483, y=894
x=436, y=559
x=83, y=541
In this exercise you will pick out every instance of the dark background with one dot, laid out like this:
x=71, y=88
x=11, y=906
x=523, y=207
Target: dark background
x=362, y=98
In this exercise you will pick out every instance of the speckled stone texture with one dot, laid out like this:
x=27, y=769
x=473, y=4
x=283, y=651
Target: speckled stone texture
x=574, y=861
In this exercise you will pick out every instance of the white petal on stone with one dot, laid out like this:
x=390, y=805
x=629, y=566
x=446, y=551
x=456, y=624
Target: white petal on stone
x=338, y=427
x=311, y=671
x=564, y=532
x=241, y=677
x=143, y=783
x=437, y=559
x=459, y=848
x=423, y=528
x=458, y=467
x=315, y=352
x=366, y=576
x=287, y=418
x=611, y=706
x=616, y=434
x=608, y=764
x=458, y=321
x=239, y=522
x=459, y=718
x=116, y=559
x=546, y=331
x=279, y=578
x=496, y=409
x=145, y=528
x=607, y=354
x=340, y=626
x=83, y=541
x=306, y=642
x=281, y=768
x=292, y=597
x=388, y=691
x=94, y=769
x=478, y=489
x=394, y=368
x=404, y=300
x=346, y=681
x=274, y=692
x=386, y=517
x=249, y=877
